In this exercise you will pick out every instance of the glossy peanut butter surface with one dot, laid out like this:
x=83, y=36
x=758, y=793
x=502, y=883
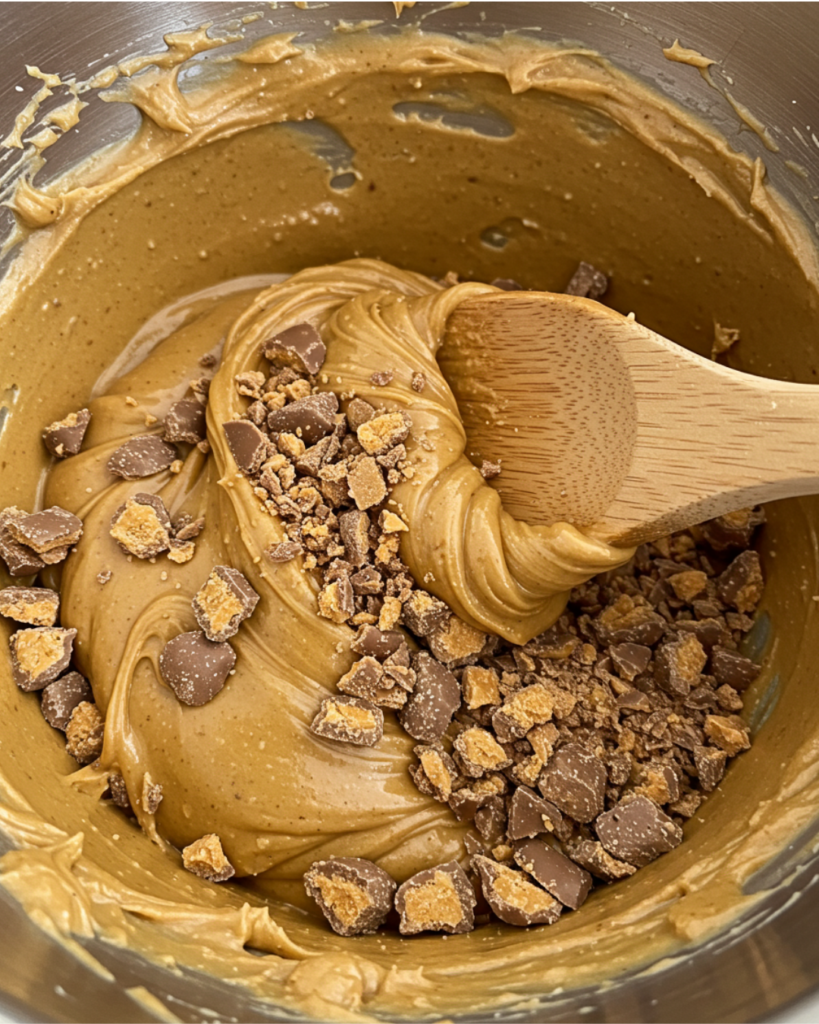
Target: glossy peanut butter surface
x=490, y=159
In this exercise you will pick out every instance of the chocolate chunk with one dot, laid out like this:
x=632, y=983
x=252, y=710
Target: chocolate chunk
x=468, y=800
x=741, y=584
x=377, y=643
x=587, y=282
x=513, y=897
x=354, y=895
x=364, y=679
x=558, y=875
x=381, y=433
x=593, y=857
x=575, y=781
x=34, y=606
x=185, y=421
x=479, y=752
x=52, y=529
x=710, y=764
x=355, y=536
x=440, y=899
x=223, y=603
x=708, y=631
x=349, y=720
x=141, y=456
x=524, y=709
x=490, y=820
x=424, y=613
x=436, y=698
x=64, y=437
x=336, y=601
x=636, y=831
x=381, y=378
x=195, y=668
x=208, y=360
x=659, y=782
x=84, y=733
x=142, y=526
x=119, y=791
x=490, y=470
x=299, y=347
x=61, y=697
x=248, y=445
x=285, y=551
x=310, y=461
x=731, y=668
x=310, y=418
x=206, y=858
x=626, y=622
x=728, y=732
x=418, y=382
x=367, y=582
x=679, y=664
x=630, y=660
x=366, y=484
x=733, y=530
x=480, y=686
x=529, y=815
x=507, y=284
x=20, y=560
x=359, y=412
x=437, y=774
x=39, y=655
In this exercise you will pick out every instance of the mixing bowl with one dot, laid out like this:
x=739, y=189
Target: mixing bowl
x=768, y=957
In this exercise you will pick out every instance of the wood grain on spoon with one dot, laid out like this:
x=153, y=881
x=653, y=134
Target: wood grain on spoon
x=602, y=423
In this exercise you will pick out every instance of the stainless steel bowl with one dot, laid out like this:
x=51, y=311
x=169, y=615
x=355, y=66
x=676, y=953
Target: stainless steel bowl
x=768, y=960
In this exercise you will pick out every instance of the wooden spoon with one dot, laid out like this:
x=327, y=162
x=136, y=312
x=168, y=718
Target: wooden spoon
x=602, y=423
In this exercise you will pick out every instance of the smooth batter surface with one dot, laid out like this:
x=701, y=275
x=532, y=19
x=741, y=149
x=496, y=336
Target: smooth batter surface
x=213, y=187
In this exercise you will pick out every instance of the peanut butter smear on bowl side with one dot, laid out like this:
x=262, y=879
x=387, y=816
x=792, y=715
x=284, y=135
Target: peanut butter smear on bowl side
x=561, y=157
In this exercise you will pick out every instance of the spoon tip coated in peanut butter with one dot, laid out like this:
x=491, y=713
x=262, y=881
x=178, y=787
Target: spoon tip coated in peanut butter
x=598, y=421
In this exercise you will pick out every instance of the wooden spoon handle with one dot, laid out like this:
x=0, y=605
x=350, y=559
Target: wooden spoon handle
x=599, y=421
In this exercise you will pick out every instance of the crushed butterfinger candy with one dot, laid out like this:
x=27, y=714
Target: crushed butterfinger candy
x=206, y=858
x=355, y=895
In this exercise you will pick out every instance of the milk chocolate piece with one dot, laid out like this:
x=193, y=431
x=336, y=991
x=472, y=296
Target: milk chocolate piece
x=355, y=536
x=310, y=418
x=151, y=794
x=61, y=697
x=710, y=765
x=424, y=613
x=630, y=660
x=185, y=421
x=731, y=668
x=709, y=631
x=141, y=456
x=679, y=664
x=142, y=526
x=53, y=528
x=359, y=412
x=39, y=655
x=588, y=282
x=418, y=382
x=440, y=899
x=741, y=584
x=436, y=698
x=223, y=603
x=468, y=800
x=728, y=732
x=529, y=815
x=84, y=733
x=513, y=897
x=119, y=792
x=507, y=284
x=383, y=432
x=593, y=857
x=637, y=831
x=490, y=820
x=381, y=378
x=354, y=894
x=195, y=668
x=437, y=774
x=248, y=445
x=479, y=752
x=64, y=437
x=34, y=606
x=367, y=581
x=206, y=858
x=490, y=470
x=733, y=530
x=20, y=560
x=349, y=720
x=299, y=347
x=521, y=711
x=366, y=484
x=336, y=600
x=558, y=875
x=285, y=551
x=575, y=781
x=626, y=622
x=378, y=643
x=364, y=679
